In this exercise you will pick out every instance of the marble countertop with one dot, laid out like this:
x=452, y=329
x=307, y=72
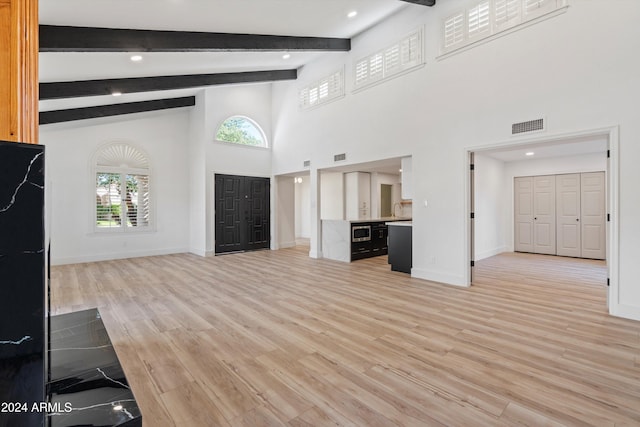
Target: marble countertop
x=380, y=219
x=401, y=223
x=87, y=382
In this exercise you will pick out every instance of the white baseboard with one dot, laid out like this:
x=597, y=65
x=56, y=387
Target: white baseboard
x=439, y=276
x=115, y=255
x=626, y=311
x=490, y=253
x=284, y=245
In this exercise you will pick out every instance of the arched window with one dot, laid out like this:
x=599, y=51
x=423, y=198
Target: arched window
x=241, y=130
x=122, y=196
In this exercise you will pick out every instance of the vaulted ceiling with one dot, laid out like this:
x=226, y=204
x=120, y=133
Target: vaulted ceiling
x=210, y=41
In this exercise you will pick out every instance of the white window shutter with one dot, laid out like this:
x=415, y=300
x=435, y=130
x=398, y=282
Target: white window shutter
x=478, y=23
x=534, y=8
x=454, y=30
x=323, y=90
x=506, y=13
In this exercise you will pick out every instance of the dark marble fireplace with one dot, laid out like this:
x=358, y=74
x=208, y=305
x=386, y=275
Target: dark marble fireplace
x=22, y=284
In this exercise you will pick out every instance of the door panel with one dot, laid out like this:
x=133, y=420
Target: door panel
x=523, y=214
x=568, y=215
x=242, y=214
x=544, y=214
x=593, y=215
x=228, y=216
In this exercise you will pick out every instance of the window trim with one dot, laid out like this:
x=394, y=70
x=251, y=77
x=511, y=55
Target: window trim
x=123, y=171
x=494, y=33
x=266, y=145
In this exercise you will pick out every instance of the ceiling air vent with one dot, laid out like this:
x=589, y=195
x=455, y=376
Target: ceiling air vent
x=307, y=163
x=339, y=157
x=530, y=126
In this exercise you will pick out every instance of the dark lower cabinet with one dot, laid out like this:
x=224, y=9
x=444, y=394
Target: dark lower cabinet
x=376, y=246
x=400, y=255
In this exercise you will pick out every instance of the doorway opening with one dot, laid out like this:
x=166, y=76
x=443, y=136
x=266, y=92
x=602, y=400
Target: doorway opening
x=490, y=196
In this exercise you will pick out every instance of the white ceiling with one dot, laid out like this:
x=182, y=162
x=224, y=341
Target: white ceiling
x=318, y=18
x=568, y=147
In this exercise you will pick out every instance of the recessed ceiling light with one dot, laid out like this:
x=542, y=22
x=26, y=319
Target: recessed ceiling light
x=116, y=93
x=530, y=153
x=286, y=56
x=136, y=58
x=352, y=14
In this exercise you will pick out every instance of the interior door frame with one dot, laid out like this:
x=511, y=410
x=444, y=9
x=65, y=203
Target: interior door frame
x=612, y=174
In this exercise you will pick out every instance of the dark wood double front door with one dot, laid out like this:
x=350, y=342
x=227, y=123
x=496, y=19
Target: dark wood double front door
x=242, y=213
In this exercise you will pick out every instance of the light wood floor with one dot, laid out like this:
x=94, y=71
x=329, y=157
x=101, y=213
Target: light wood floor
x=275, y=338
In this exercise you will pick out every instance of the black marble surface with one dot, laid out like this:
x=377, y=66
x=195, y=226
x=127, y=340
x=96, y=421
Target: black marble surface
x=87, y=384
x=22, y=289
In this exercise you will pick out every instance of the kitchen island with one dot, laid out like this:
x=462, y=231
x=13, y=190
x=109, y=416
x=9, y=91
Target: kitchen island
x=350, y=240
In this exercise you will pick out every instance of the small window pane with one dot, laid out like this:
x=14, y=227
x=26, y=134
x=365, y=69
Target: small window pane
x=108, y=200
x=240, y=130
x=137, y=201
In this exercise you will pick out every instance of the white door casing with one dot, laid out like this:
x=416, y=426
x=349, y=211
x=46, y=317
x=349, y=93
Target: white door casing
x=593, y=215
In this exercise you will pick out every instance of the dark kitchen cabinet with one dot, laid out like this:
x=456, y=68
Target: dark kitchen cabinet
x=400, y=256
x=379, y=233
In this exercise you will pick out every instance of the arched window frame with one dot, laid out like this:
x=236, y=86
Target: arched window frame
x=237, y=144
x=130, y=166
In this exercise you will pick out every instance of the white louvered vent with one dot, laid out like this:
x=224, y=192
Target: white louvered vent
x=339, y=157
x=401, y=56
x=322, y=91
x=529, y=126
x=306, y=163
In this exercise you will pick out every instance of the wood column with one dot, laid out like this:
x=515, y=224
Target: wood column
x=19, y=70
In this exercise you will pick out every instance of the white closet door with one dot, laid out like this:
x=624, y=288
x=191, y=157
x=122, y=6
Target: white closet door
x=568, y=215
x=544, y=214
x=523, y=200
x=593, y=215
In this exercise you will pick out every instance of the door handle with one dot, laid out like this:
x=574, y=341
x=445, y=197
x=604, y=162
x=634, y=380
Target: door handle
x=577, y=219
x=535, y=218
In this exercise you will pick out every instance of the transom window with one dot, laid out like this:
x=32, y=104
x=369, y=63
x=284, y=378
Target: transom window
x=122, y=189
x=241, y=130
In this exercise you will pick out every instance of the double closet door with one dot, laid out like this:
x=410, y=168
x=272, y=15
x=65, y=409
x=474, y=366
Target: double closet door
x=561, y=215
x=242, y=213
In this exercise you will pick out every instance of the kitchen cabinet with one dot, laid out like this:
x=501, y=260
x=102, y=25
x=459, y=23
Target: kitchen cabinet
x=357, y=198
x=400, y=252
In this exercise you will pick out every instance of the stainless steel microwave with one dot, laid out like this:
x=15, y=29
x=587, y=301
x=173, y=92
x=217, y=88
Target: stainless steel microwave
x=360, y=233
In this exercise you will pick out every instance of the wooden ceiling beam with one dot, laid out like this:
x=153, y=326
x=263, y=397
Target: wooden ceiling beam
x=54, y=38
x=71, y=114
x=73, y=89
x=422, y=2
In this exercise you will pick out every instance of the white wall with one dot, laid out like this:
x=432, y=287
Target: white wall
x=69, y=154
x=577, y=69
x=490, y=207
x=303, y=208
x=285, y=207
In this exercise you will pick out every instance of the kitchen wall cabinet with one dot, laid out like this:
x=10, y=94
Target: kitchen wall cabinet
x=357, y=196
